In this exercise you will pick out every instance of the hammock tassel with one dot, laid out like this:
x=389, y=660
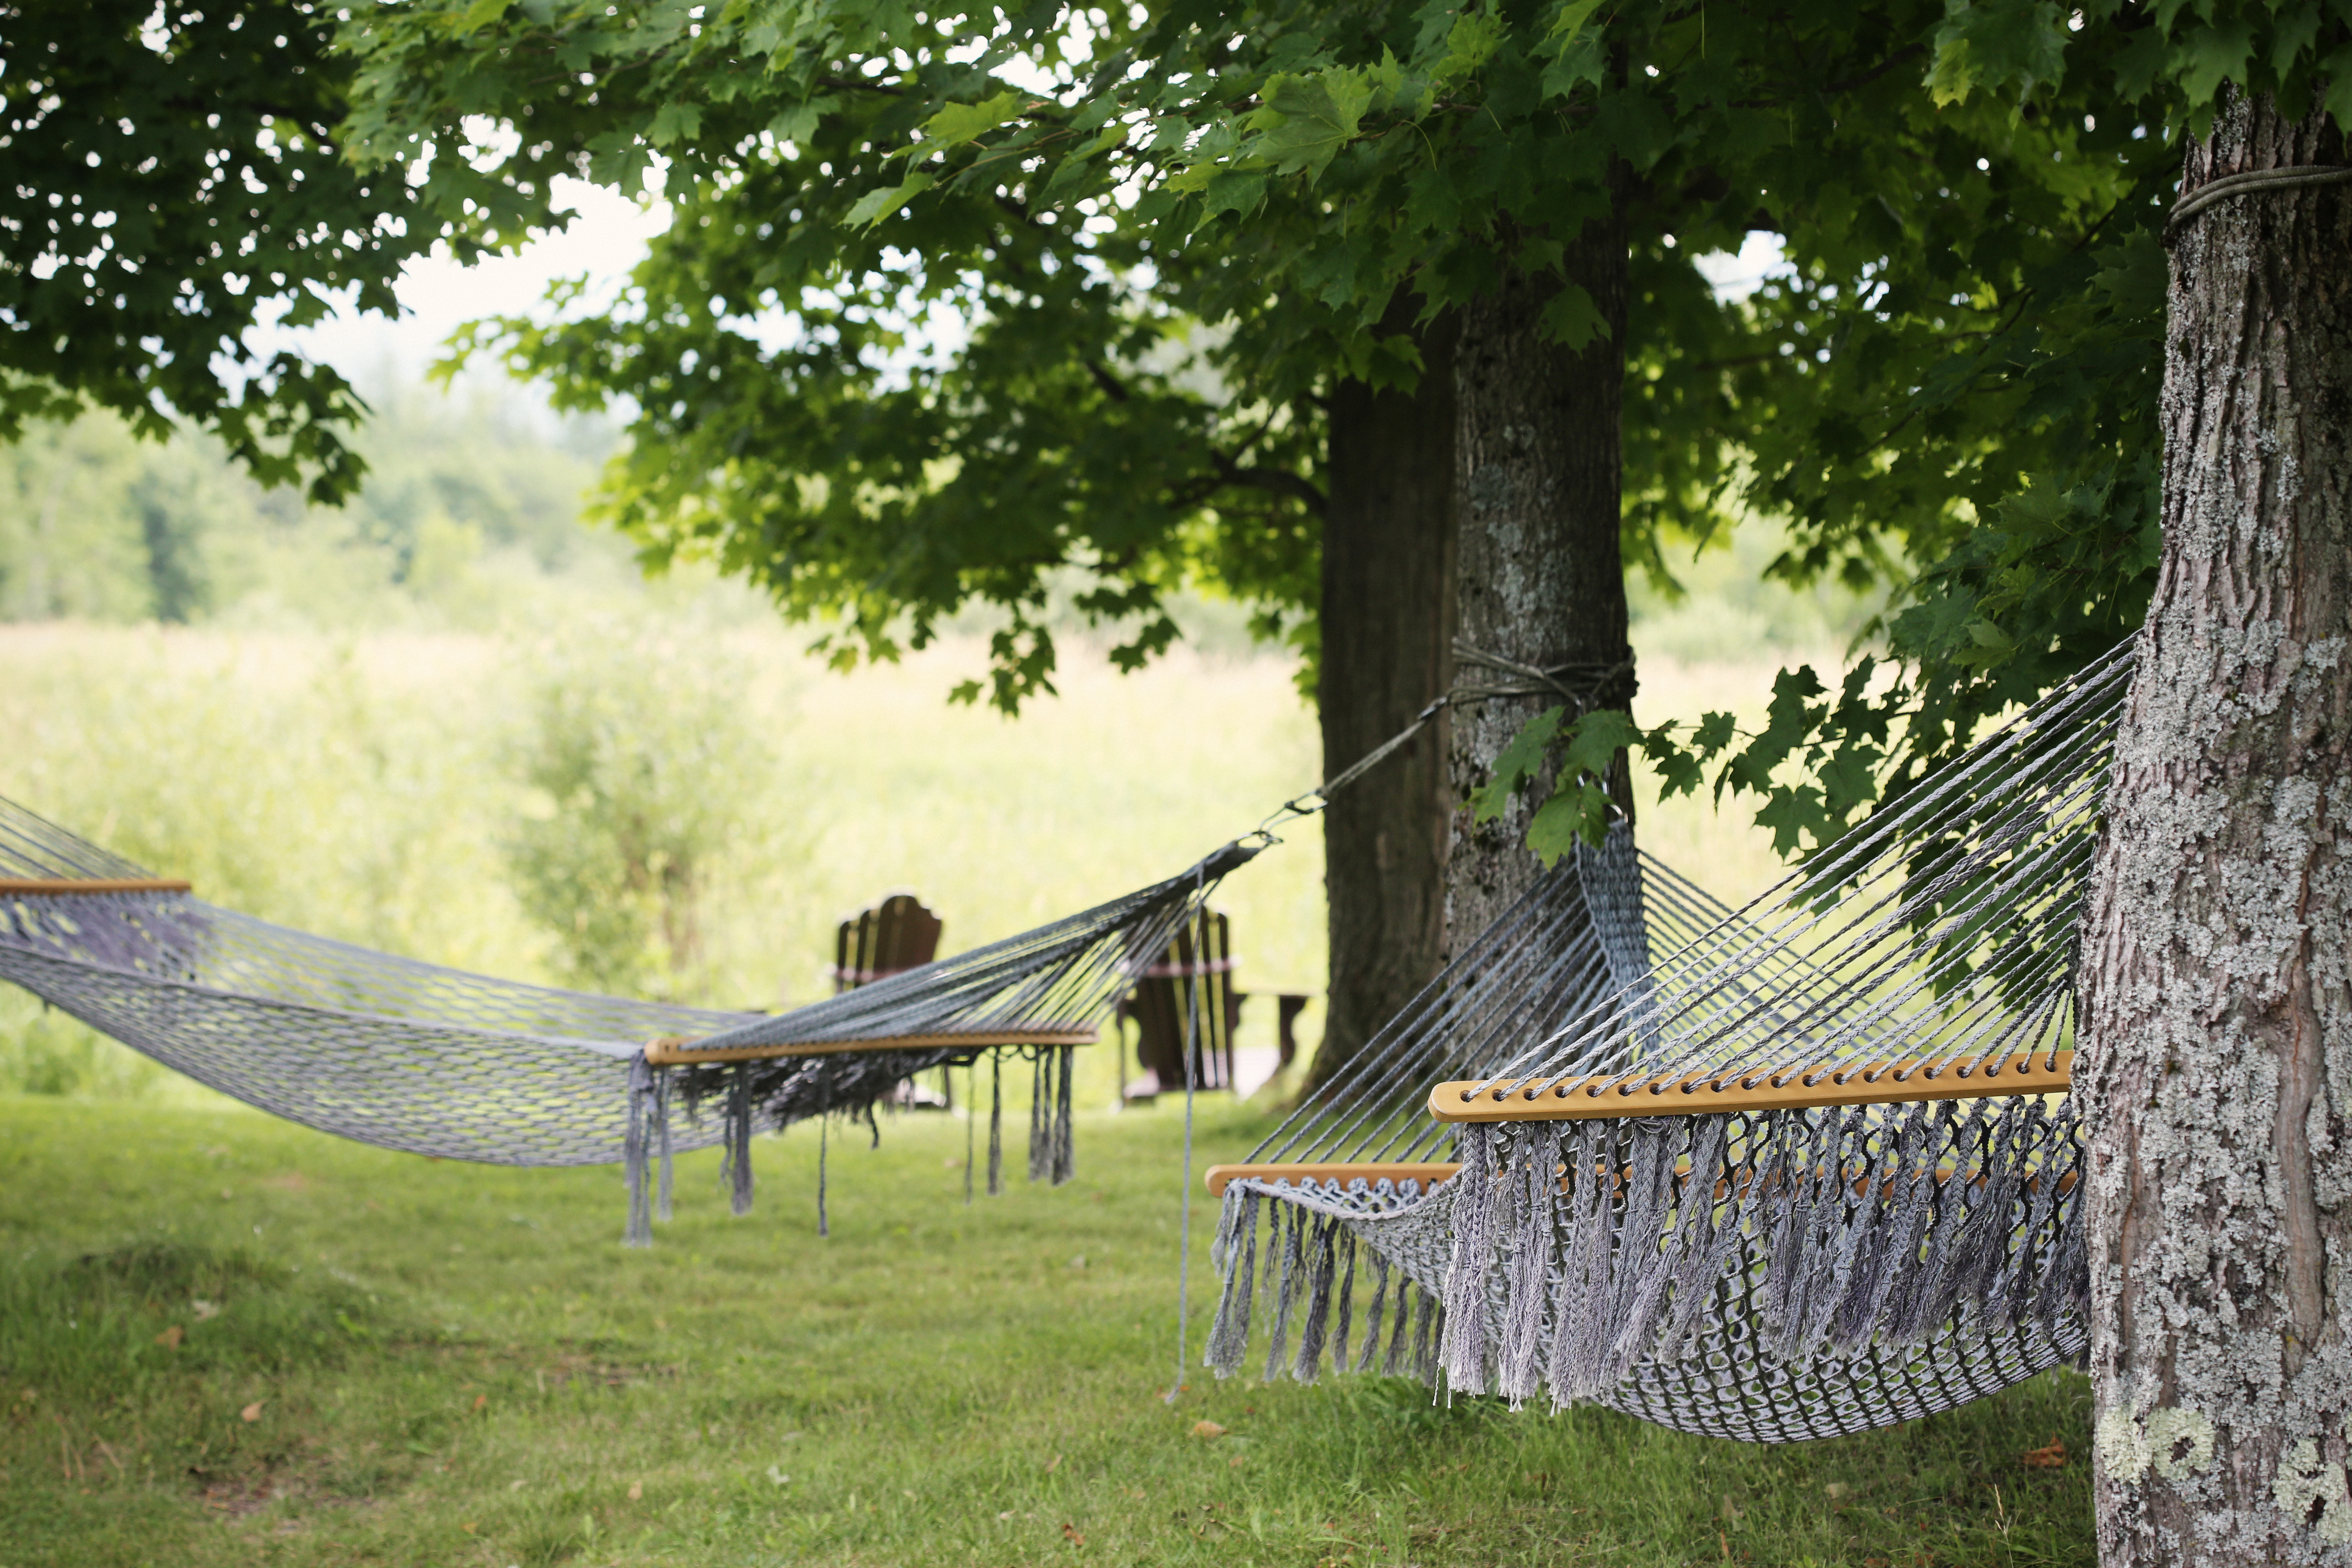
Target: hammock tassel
x=1479, y=1193
x=1041, y=1092
x=661, y=1140
x=1314, y=1331
x=1234, y=1254
x=823, y=1228
x=1285, y=1263
x=735, y=1161
x=1345, y=1263
x=995, y=1125
x=1532, y=1180
x=1372, y=1314
x=1397, y=1365
x=640, y=1228
x=1065, y=1150
x=970, y=1115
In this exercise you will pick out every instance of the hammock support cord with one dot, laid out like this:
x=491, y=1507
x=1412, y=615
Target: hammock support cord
x=1777, y=1273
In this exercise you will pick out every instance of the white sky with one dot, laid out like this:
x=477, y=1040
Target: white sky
x=438, y=296
x=604, y=242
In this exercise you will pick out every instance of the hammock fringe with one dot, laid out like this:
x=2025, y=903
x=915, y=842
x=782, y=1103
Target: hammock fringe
x=1860, y=1236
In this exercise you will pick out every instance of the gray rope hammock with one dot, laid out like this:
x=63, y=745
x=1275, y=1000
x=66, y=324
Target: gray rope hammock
x=1801, y=1169
x=430, y=1060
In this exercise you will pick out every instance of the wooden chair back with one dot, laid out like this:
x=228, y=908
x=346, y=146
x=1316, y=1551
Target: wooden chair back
x=883, y=940
x=1202, y=955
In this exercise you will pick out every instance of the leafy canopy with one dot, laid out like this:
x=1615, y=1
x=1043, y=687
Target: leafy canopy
x=1957, y=371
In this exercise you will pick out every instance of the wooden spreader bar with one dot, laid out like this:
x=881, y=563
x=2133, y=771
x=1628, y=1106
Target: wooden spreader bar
x=1428, y=1174
x=1696, y=1094
x=675, y=1050
x=42, y=887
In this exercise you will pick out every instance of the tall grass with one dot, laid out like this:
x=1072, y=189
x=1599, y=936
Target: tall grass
x=377, y=788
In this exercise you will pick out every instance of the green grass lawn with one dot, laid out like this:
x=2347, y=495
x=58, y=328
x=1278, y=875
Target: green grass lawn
x=226, y=1339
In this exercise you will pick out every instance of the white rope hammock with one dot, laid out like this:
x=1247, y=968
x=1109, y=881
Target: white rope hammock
x=430, y=1060
x=1799, y=1169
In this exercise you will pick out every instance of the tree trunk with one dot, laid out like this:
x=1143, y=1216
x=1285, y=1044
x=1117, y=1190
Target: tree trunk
x=2217, y=1073
x=1538, y=465
x=1386, y=623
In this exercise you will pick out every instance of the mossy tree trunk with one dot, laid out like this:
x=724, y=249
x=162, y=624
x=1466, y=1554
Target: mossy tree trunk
x=1387, y=621
x=2218, y=1005
x=1538, y=471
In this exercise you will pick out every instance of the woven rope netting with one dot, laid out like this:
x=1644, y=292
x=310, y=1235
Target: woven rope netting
x=431, y=1060
x=1801, y=1169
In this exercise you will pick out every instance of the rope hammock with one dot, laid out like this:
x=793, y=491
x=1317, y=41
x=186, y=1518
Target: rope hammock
x=429, y=1060
x=1798, y=1170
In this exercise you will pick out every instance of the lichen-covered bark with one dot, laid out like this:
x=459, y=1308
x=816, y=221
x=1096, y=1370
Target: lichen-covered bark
x=1537, y=469
x=2218, y=1007
x=1386, y=623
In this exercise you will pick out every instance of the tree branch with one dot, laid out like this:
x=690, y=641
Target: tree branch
x=1273, y=481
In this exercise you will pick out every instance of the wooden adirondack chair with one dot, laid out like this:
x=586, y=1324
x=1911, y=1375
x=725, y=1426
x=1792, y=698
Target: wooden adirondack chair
x=885, y=938
x=1203, y=956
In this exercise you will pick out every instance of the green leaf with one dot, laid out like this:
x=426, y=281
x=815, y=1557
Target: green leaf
x=1572, y=26
x=1595, y=741
x=1581, y=810
x=1520, y=762
x=1308, y=119
x=1234, y=192
x=1474, y=37
x=1572, y=319
x=476, y=17
x=674, y=122
x=876, y=205
x=2207, y=57
x=2018, y=44
x=960, y=122
x=2337, y=68
x=1678, y=770
x=1849, y=781
x=1791, y=813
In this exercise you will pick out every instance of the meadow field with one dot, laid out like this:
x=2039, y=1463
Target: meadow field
x=367, y=788
x=228, y=1340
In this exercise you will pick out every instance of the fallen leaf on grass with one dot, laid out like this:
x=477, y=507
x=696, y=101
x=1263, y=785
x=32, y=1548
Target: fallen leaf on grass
x=481, y=1401
x=252, y=1412
x=1053, y=1464
x=1836, y=1490
x=1207, y=1429
x=2053, y=1457
x=636, y=1491
x=1236, y=1462
x=205, y=1310
x=170, y=1338
x=1070, y=1533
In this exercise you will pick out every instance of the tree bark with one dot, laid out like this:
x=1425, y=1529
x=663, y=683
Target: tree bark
x=1386, y=623
x=2217, y=1073
x=1537, y=470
